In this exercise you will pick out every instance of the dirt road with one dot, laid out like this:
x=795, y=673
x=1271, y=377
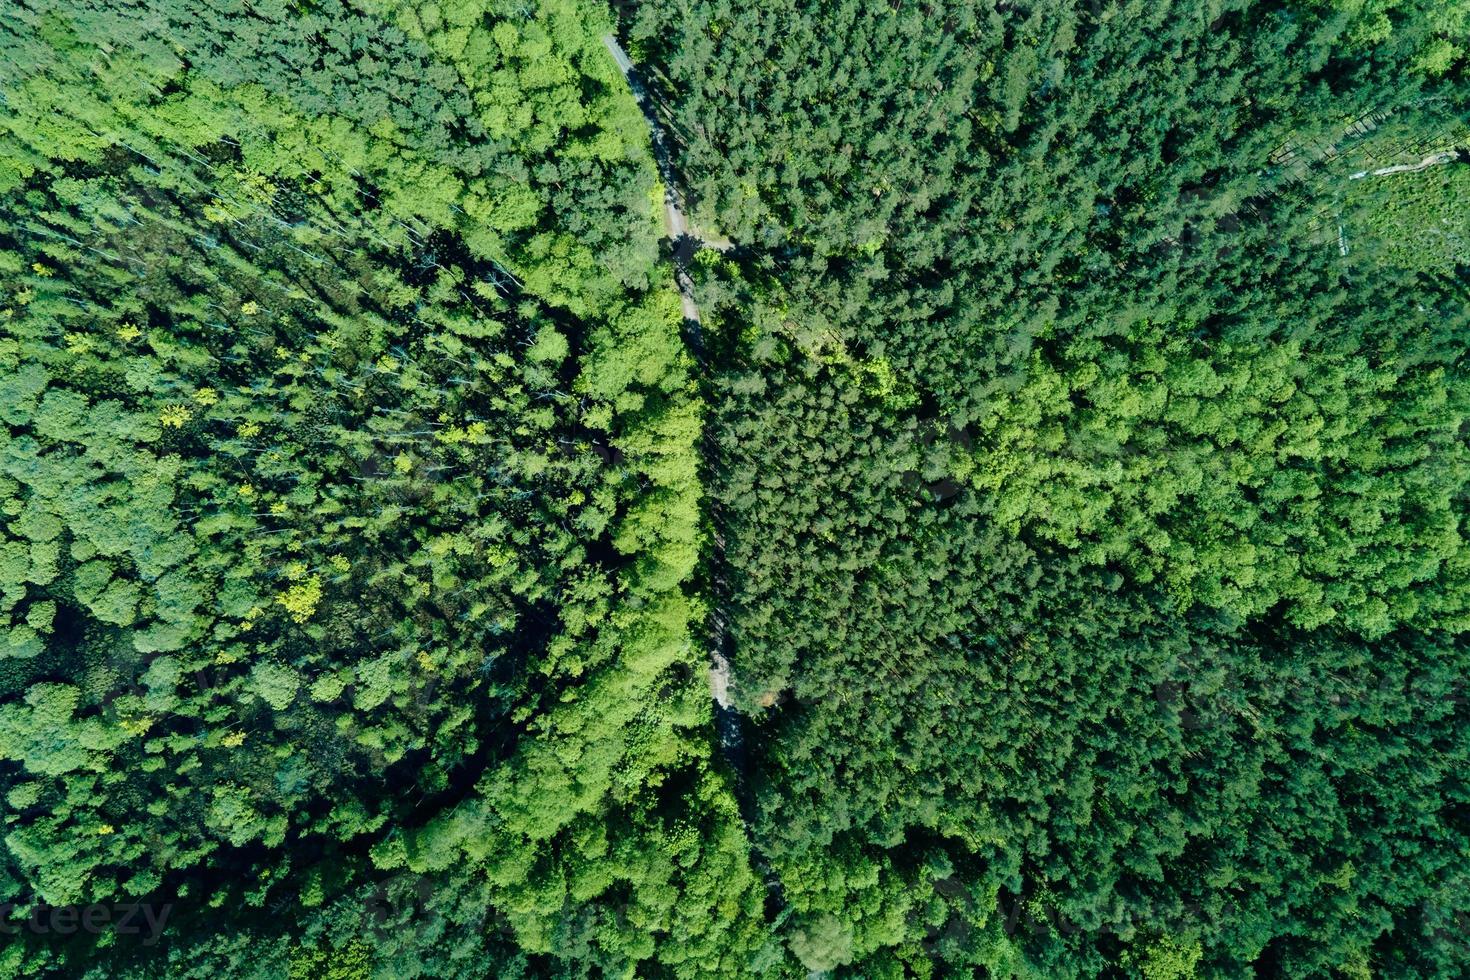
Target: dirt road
x=684, y=246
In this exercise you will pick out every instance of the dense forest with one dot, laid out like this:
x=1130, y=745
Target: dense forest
x=1065, y=471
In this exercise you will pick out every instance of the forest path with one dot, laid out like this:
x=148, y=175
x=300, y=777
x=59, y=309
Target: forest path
x=685, y=244
x=1433, y=160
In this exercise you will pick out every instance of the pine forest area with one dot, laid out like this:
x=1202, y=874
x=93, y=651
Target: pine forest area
x=691, y=489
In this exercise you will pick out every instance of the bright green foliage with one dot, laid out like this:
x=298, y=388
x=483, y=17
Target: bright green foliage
x=1432, y=35
x=1418, y=220
x=1228, y=473
x=349, y=498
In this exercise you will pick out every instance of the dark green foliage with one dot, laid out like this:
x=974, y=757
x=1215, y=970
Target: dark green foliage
x=1093, y=526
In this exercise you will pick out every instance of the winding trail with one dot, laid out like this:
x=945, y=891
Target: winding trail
x=685, y=244
x=1433, y=160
